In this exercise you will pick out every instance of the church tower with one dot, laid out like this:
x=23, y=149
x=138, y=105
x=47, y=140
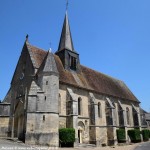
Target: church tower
x=66, y=51
x=42, y=113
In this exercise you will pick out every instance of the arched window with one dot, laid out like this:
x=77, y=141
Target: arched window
x=79, y=105
x=128, y=115
x=59, y=103
x=135, y=116
x=114, y=114
x=120, y=115
x=108, y=110
x=99, y=110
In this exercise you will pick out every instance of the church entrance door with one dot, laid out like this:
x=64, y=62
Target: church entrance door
x=81, y=129
x=80, y=135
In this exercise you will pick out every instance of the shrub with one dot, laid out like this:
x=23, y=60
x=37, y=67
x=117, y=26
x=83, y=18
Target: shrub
x=121, y=136
x=134, y=135
x=67, y=137
x=145, y=134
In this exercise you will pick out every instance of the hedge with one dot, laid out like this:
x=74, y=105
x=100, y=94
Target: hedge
x=67, y=137
x=145, y=134
x=134, y=135
x=121, y=136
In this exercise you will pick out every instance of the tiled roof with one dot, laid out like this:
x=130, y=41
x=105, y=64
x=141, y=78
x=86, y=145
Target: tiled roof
x=37, y=55
x=88, y=78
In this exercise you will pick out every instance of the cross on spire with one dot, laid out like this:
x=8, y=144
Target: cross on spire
x=67, y=5
x=50, y=49
x=66, y=38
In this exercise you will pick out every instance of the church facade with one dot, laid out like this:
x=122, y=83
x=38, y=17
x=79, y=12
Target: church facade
x=51, y=91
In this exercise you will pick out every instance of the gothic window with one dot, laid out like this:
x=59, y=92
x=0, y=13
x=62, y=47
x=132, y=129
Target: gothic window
x=120, y=115
x=73, y=63
x=128, y=115
x=135, y=116
x=108, y=110
x=99, y=110
x=114, y=113
x=143, y=120
x=69, y=109
x=79, y=105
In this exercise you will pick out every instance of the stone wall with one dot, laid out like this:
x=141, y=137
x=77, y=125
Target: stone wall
x=4, y=119
x=100, y=127
x=42, y=111
x=20, y=86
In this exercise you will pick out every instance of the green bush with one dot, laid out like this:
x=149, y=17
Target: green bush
x=145, y=134
x=134, y=135
x=121, y=136
x=67, y=137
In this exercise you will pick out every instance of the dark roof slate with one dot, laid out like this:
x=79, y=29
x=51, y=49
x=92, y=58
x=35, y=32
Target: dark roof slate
x=66, y=38
x=48, y=64
x=90, y=79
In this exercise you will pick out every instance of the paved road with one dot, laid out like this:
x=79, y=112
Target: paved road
x=11, y=145
x=144, y=146
x=16, y=145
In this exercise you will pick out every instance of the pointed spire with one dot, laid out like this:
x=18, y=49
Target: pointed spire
x=67, y=5
x=66, y=38
x=27, y=36
x=49, y=64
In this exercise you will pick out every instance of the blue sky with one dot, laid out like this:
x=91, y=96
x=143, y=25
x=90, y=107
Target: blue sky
x=111, y=36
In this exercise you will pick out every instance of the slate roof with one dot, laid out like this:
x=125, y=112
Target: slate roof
x=66, y=38
x=87, y=79
x=49, y=64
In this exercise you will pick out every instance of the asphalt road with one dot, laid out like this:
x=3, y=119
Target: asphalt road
x=144, y=146
x=16, y=145
x=11, y=145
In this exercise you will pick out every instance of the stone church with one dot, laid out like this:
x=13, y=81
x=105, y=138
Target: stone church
x=51, y=91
